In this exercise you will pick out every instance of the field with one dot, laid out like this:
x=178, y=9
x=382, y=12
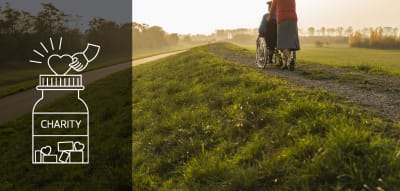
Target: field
x=201, y=122
x=376, y=61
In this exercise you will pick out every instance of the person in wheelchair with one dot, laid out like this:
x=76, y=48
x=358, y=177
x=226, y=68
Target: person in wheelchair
x=267, y=31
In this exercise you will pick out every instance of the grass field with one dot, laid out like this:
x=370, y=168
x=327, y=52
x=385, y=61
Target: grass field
x=109, y=101
x=342, y=55
x=201, y=122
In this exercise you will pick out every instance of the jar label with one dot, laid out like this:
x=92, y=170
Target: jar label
x=60, y=123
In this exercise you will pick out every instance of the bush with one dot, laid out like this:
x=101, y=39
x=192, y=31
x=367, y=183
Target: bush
x=319, y=44
x=376, y=40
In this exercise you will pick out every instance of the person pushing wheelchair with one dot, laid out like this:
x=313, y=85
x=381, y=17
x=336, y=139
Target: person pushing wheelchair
x=287, y=34
x=268, y=31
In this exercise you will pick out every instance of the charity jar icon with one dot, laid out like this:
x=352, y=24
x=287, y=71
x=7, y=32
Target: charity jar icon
x=60, y=133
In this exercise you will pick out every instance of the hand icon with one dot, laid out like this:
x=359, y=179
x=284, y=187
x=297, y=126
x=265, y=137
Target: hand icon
x=80, y=62
x=82, y=59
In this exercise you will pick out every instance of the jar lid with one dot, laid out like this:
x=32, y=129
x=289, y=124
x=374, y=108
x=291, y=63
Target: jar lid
x=60, y=82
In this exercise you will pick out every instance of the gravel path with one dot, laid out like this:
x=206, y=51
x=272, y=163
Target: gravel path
x=380, y=93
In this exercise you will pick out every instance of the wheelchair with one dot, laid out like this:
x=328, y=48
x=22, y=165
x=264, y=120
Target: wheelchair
x=266, y=55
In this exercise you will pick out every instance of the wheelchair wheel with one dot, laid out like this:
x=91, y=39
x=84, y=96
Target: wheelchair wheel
x=261, y=53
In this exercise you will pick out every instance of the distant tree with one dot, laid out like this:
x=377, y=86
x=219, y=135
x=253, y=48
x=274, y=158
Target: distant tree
x=50, y=21
x=395, y=31
x=376, y=37
x=339, y=31
x=380, y=38
x=187, y=39
x=330, y=31
x=15, y=33
x=137, y=39
x=319, y=44
x=349, y=31
x=365, y=31
x=323, y=30
x=156, y=36
x=103, y=32
x=11, y=19
x=26, y=24
x=301, y=31
x=20, y=32
x=311, y=31
x=145, y=36
x=173, y=39
x=387, y=31
x=355, y=40
x=125, y=38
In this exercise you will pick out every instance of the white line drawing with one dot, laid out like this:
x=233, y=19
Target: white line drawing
x=65, y=146
x=78, y=146
x=44, y=47
x=81, y=64
x=51, y=43
x=65, y=157
x=37, y=52
x=45, y=150
x=50, y=62
x=62, y=137
x=34, y=61
x=59, y=46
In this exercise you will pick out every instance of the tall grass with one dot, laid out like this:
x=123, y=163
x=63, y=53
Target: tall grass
x=201, y=122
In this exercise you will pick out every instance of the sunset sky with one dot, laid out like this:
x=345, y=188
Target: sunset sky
x=195, y=16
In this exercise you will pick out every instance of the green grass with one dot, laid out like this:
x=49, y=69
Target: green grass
x=201, y=122
x=367, y=60
x=109, y=101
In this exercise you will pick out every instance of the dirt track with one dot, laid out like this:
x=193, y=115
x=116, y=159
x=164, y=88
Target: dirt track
x=379, y=93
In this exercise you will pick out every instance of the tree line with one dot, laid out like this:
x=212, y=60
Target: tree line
x=21, y=32
x=148, y=37
x=367, y=37
x=327, y=31
x=379, y=38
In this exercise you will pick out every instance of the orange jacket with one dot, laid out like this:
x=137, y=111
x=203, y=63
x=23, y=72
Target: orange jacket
x=284, y=10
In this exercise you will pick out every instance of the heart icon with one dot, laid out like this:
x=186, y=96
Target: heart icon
x=59, y=64
x=46, y=150
x=79, y=146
